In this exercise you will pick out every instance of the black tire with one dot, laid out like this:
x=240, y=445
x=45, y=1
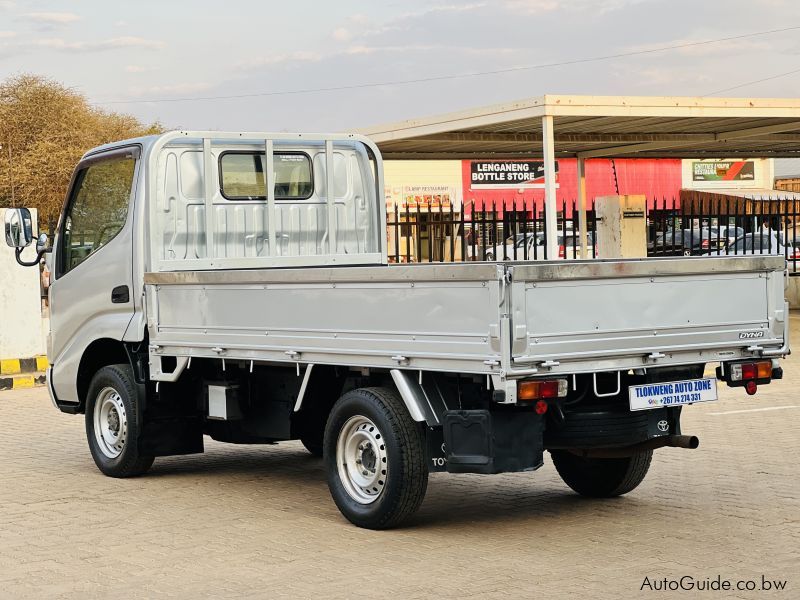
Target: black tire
x=601, y=477
x=313, y=444
x=118, y=378
x=406, y=475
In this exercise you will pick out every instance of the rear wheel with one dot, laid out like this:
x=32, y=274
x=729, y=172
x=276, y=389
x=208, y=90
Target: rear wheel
x=375, y=458
x=112, y=428
x=602, y=477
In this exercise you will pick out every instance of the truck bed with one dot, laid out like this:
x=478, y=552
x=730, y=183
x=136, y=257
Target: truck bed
x=506, y=319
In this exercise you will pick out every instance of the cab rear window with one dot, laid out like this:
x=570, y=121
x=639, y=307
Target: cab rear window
x=241, y=176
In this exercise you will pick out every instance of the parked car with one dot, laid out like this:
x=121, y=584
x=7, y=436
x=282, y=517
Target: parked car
x=684, y=242
x=568, y=247
x=731, y=233
x=760, y=243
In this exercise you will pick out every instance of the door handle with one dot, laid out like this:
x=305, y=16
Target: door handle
x=120, y=295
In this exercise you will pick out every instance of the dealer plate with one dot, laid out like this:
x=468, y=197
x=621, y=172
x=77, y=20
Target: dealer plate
x=672, y=393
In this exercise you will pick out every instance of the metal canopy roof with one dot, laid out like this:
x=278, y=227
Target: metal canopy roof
x=751, y=194
x=600, y=126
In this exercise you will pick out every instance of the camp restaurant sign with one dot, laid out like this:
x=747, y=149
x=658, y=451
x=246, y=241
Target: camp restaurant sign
x=507, y=174
x=724, y=170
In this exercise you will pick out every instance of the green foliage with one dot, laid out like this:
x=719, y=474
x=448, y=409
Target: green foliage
x=45, y=128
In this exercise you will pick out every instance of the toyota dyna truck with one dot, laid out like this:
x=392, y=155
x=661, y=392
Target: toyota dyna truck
x=236, y=286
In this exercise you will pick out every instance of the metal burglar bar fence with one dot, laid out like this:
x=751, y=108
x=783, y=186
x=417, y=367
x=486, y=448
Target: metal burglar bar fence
x=714, y=225
x=512, y=230
x=700, y=225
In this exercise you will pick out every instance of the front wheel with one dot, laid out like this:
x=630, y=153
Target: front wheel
x=602, y=477
x=111, y=423
x=375, y=458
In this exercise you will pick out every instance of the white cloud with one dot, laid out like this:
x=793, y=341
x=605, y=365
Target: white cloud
x=542, y=6
x=138, y=69
x=698, y=47
x=655, y=80
x=173, y=89
x=359, y=19
x=342, y=34
x=7, y=5
x=110, y=44
x=7, y=34
x=534, y=6
x=301, y=56
x=404, y=21
x=52, y=18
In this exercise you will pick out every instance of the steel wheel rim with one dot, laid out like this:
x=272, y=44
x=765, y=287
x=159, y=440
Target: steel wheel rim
x=362, y=460
x=110, y=422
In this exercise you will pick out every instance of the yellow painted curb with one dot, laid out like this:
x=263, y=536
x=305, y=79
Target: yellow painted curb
x=25, y=381
x=10, y=366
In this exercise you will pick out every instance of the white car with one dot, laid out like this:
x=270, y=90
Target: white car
x=568, y=247
x=758, y=243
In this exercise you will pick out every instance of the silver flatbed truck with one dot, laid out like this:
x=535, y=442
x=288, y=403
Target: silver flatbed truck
x=192, y=295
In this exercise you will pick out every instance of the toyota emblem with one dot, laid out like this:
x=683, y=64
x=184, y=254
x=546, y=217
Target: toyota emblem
x=663, y=426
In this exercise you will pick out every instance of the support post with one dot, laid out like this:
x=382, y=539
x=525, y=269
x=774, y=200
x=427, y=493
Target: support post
x=331, y=196
x=269, y=182
x=208, y=183
x=548, y=152
x=582, y=225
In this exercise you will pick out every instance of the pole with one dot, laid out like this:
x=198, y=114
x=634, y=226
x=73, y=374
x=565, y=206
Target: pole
x=548, y=151
x=582, y=225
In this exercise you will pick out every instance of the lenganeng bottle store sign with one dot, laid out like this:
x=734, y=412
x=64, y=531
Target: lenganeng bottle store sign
x=507, y=174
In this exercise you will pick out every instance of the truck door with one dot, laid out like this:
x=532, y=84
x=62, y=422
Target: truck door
x=90, y=296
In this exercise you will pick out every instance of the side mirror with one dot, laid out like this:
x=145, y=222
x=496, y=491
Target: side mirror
x=18, y=227
x=42, y=244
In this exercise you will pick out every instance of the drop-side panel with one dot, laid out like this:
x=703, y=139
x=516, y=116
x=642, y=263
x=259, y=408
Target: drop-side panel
x=416, y=323
x=711, y=315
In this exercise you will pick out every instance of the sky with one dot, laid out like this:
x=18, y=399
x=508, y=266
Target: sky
x=147, y=57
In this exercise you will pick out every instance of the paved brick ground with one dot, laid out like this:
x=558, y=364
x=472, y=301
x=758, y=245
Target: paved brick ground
x=257, y=522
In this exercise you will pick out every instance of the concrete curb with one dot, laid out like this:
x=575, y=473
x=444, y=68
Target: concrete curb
x=17, y=382
x=15, y=366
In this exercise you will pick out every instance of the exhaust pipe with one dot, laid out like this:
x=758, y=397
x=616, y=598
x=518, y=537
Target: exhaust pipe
x=671, y=441
x=692, y=442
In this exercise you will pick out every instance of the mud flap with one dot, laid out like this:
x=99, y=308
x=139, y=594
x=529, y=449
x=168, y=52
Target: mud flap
x=169, y=436
x=480, y=441
x=437, y=453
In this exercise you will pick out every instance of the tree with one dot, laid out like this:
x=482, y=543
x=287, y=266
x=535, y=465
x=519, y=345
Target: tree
x=45, y=128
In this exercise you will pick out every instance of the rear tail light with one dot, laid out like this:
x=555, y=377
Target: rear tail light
x=705, y=243
x=539, y=389
x=562, y=251
x=751, y=371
